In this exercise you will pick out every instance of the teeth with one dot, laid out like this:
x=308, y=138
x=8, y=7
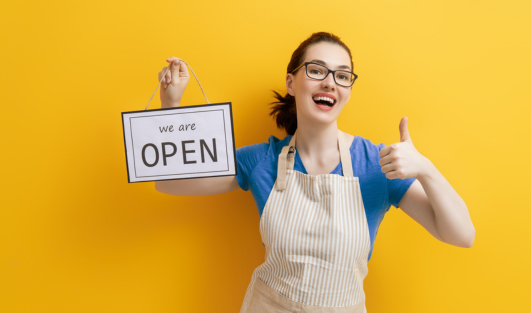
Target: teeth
x=324, y=98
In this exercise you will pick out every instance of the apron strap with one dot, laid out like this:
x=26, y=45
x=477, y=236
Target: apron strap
x=286, y=159
x=344, y=152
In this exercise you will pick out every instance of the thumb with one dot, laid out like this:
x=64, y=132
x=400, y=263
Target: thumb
x=404, y=133
x=183, y=70
x=175, y=66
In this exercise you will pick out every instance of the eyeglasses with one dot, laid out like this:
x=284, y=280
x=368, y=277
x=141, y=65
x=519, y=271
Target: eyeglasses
x=320, y=72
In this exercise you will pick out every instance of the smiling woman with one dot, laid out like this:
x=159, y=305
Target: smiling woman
x=317, y=70
x=322, y=193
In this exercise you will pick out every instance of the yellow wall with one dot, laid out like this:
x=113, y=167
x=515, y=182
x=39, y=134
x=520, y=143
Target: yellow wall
x=76, y=237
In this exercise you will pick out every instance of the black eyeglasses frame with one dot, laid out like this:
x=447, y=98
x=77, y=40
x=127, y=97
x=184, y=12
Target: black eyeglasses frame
x=305, y=64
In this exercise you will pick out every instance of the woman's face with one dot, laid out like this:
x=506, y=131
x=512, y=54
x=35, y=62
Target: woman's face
x=305, y=89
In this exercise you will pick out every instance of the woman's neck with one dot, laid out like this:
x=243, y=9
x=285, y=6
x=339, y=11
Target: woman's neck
x=317, y=142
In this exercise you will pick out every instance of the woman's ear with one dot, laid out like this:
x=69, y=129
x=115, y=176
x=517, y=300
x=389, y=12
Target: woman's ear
x=289, y=84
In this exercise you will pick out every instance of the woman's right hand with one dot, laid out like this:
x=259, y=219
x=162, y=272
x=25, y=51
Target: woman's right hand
x=173, y=83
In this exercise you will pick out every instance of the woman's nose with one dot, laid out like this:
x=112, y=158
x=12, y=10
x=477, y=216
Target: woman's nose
x=329, y=81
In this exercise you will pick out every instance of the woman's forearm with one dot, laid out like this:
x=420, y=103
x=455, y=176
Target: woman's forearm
x=452, y=218
x=206, y=186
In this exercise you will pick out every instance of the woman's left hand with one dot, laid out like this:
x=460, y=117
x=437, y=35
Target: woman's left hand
x=402, y=160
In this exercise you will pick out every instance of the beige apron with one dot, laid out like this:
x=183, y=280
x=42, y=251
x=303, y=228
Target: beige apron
x=317, y=242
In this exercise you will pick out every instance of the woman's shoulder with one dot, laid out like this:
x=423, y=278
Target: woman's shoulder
x=273, y=146
x=363, y=145
x=350, y=139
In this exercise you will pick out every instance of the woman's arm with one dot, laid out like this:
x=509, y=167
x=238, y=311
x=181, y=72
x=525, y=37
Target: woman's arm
x=173, y=86
x=431, y=200
x=434, y=204
x=198, y=186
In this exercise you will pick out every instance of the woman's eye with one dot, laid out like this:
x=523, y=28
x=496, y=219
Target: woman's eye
x=342, y=77
x=315, y=71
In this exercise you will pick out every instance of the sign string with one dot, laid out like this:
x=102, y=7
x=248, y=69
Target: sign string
x=164, y=74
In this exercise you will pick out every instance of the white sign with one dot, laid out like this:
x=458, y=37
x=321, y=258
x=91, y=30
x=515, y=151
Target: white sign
x=176, y=143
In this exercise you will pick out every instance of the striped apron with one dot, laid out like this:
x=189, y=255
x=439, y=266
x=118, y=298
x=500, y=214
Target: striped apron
x=317, y=242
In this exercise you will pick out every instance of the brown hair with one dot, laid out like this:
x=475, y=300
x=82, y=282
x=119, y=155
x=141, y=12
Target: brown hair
x=284, y=110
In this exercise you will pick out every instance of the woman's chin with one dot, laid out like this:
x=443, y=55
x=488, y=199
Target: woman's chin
x=316, y=116
x=321, y=119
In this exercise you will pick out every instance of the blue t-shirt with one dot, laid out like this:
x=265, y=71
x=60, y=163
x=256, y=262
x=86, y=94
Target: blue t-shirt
x=257, y=171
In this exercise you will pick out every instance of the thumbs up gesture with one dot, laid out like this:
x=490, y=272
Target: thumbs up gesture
x=402, y=160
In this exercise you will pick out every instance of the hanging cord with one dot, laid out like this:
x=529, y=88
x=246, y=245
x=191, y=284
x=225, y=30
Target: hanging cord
x=164, y=75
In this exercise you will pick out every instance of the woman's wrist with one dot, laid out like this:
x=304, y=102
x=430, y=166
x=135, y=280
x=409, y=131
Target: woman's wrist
x=168, y=104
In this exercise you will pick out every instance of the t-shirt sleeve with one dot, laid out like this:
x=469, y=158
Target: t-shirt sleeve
x=396, y=187
x=247, y=158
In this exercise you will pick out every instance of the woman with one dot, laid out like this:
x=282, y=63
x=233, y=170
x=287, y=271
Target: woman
x=321, y=193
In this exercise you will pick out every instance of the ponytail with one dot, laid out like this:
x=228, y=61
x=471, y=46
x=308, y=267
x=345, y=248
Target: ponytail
x=285, y=112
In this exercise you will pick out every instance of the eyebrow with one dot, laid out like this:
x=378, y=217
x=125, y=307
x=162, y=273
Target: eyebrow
x=324, y=63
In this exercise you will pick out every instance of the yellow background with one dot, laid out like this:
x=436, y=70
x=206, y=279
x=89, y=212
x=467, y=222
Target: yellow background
x=76, y=237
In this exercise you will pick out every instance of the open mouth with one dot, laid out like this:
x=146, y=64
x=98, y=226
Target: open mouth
x=324, y=101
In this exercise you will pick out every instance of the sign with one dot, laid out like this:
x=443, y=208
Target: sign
x=178, y=143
